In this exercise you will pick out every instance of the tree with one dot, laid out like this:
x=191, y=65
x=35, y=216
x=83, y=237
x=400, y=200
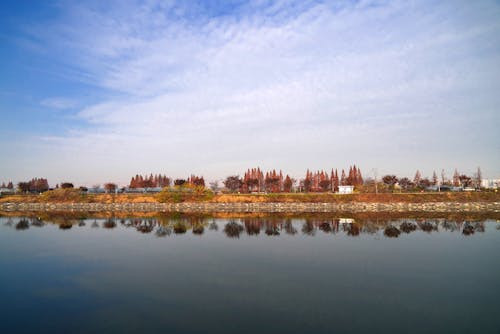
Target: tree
x=343, y=179
x=434, y=179
x=23, y=187
x=67, y=185
x=390, y=180
x=465, y=180
x=179, y=182
x=39, y=185
x=233, y=183
x=287, y=184
x=417, y=178
x=478, y=178
x=456, y=178
x=325, y=184
x=307, y=184
x=405, y=183
x=214, y=186
x=197, y=181
x=110, y=187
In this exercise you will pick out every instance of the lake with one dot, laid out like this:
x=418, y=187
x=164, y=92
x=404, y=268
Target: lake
x=271, y=274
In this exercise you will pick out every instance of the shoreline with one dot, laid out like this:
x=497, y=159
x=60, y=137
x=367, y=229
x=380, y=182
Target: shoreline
x=259, y=207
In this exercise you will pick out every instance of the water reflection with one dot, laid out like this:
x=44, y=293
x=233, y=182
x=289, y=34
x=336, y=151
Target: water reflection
x=249, y=226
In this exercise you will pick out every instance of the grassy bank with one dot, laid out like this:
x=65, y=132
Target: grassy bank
x=74, y=196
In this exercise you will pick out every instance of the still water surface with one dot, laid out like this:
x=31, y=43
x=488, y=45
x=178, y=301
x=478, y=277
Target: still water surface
x=252, y=275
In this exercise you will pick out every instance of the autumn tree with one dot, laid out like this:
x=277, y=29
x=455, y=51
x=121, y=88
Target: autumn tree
x=343, y=179
x=390, y=180
x=405, y=183
x=335, y=180
x=110, y=187
x=233, y=183
x=307, y=182
x=197, y=181
x=465, y=180
x=149, y=181
x=287, y=184
x=23, y=187
x=179, y=182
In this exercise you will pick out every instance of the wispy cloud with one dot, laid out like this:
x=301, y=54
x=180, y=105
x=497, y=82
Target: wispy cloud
x=59, y=103
x=283, y=84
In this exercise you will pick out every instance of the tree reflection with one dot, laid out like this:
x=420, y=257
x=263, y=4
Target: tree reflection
x=146, y=226
x=408, y=227
x=23, y=224
x=325, y=227
x=252, y=227
x=352, y=229
x=271, y=229
x=37, y=222
x=233, y=229
x=180, y=227
x=468, y=229
x=289, y=229
x=427, y=226
x=270, y=226
x=392, y=232
x=308, y=228
x=65, y=225
x=163, y=231
x=198, y=229
x=213, y=226
x=109, y=223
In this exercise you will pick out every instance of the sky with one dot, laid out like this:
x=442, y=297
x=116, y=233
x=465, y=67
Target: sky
x=98, y=91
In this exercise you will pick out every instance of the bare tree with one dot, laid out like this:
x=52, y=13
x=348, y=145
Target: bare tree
x=214, y=185
x=477, y=178
x=233, y=183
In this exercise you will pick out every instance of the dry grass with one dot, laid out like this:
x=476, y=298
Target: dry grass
x=72, y=195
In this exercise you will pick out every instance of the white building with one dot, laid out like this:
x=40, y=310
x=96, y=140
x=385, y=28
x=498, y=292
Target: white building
x=490, y=183
x=346, y=189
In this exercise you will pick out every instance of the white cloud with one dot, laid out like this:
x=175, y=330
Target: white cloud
x=59, y=103
x=318, y=86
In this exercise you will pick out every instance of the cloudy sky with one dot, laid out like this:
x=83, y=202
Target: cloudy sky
x=97, y=91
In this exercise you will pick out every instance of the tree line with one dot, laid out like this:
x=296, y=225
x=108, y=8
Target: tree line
x=256, y=180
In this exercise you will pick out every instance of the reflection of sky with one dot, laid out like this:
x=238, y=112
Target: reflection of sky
x=95, y=279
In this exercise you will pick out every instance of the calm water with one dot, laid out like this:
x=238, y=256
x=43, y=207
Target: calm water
x=265, y=275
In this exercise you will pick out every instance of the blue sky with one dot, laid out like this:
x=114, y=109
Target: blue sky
x=97, y=91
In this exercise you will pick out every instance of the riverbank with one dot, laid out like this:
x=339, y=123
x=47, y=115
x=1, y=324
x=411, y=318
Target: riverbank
x=75, y=196
x=263, y=207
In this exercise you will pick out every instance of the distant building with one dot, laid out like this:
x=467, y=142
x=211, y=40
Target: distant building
x=6, y=191
x=490, y=183
x=346, y=189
